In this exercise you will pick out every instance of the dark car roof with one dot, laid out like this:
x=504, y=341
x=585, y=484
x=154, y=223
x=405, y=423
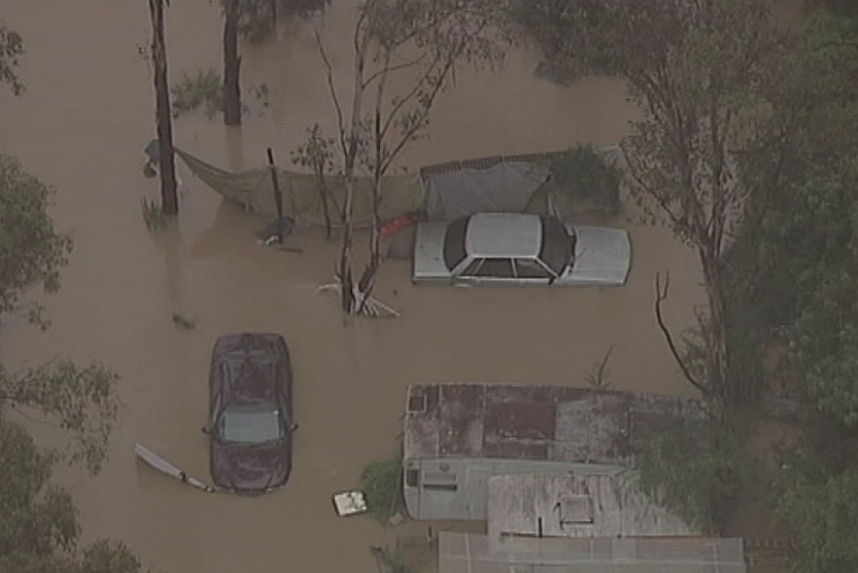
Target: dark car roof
x=246, y=367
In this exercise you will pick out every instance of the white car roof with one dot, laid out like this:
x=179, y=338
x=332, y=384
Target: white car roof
x=503, y=235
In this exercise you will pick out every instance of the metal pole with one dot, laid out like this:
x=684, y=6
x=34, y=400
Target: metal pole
x=278, y=197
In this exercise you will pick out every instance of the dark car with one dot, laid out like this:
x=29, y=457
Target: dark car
x=250, y=412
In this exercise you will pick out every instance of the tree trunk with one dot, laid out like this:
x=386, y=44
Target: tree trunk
x=350, y=158
x=166, y=160
x=345, y=270
x=367, y=279
x=323, y=194
x=231, y=66
x=717, y=331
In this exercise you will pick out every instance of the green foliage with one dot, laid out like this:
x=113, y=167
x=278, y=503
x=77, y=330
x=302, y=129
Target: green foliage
x=316, y=152
x=825, y=513
x=154, y=216
x=11, y=47
x=202, y=89
x=701, y=471
x=39, y=529
x=581, y=173
x=794, y=263
x=32, y=251
x=258, y=18
x=547, y=25
x=793, y=267
x=381, y=483
x=80, y=400
x=108, y=556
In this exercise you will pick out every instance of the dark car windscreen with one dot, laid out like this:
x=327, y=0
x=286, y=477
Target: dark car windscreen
x=454, y=242
x=251, y=426
x=556, y=249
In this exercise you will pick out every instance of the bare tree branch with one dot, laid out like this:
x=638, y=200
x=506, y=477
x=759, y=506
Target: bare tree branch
x=661, y=292
x=386, y=69
x=329, y=74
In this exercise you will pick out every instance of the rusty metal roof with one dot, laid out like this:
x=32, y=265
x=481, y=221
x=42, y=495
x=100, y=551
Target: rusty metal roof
x=540, y=423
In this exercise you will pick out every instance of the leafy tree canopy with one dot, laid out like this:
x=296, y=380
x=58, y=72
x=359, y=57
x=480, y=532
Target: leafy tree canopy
x=701, y=470
x=32, y=250
x=258, y=18
x=39, y=529
x=794, y=267
x=11, y=47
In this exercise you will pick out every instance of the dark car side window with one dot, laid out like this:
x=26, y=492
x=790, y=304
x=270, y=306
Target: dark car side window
x=557, y=245
x=496, y=268
x=530, y=269
x=454, y=242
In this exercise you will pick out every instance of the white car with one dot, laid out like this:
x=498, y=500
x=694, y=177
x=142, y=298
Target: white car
x=519, y=249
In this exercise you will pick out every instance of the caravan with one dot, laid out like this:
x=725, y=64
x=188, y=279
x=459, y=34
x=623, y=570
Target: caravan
x=457, y=436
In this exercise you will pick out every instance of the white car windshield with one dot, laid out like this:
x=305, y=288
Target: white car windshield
x=251, y=426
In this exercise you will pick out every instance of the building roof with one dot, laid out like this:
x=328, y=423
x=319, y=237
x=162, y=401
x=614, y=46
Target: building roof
x=539, y=423
x=503, y=235
x=468, y=552
x=577, y=505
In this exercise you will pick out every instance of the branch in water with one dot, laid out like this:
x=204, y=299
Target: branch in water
x=661, y=292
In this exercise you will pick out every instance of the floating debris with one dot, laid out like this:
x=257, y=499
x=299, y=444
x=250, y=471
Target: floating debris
x=371, y=307
x=183, y=322
x=350, y=503
x=166, y=467
x=270, y=234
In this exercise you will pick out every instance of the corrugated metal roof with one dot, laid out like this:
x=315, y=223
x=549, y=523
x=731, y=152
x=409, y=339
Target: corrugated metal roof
x=472, y=553
x=577, y=505
x=552, y=423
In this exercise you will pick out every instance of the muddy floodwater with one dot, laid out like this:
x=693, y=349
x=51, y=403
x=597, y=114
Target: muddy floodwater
x=81, y=126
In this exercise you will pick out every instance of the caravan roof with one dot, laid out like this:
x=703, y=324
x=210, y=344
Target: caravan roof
x=551, y=423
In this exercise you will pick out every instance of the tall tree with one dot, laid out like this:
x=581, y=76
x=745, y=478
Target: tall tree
x=701, y=126
x=255, y=18
x=424, y=40
x=231, y=64
x=11, y=47
x=794, y=267
x=166, y=157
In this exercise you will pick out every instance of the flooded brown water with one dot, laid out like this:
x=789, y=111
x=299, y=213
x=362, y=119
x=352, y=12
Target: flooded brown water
x=82, y=125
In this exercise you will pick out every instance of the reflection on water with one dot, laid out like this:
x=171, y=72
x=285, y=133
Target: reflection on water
x=81, y=126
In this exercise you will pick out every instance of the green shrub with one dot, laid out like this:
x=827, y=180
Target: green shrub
x=381, y=483
x=153, y=214
x=202, y=89
x=582, y=174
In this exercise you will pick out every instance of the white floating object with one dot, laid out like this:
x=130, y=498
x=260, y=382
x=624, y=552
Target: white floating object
x=350, y=503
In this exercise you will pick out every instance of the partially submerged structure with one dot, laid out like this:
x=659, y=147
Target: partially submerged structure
x=472, y=553
x=576, y=505
x=444, y=191
x=457, y=436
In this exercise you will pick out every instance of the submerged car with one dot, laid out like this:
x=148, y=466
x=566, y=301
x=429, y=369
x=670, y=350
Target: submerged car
x=250, y=422
x=519, y=249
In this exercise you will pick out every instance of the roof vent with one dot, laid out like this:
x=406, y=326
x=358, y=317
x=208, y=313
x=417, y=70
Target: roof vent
x=416, y=404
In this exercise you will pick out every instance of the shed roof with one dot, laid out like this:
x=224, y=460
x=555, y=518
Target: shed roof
x=577, y=505
x=539, y=423
x=472, y=553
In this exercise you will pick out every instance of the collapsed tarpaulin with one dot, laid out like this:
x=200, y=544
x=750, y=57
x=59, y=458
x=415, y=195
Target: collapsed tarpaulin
x=505, y=187
x=301, y=198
